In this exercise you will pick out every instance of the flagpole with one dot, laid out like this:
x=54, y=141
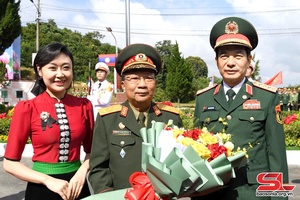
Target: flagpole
x=109, y=29
x=89, y=79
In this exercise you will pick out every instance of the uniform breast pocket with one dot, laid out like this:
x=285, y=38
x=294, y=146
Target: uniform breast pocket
x=209, y=116
x=122, y=141
x=252, y=115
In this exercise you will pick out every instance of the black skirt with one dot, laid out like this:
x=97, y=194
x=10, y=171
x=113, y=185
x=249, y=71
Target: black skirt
x=41, y=192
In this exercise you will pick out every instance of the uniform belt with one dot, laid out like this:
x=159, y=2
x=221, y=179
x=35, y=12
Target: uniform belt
x=56, y=168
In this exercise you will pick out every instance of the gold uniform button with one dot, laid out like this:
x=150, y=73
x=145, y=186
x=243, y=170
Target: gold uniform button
x=122, y=143
x=208, y=120
x=229, y=117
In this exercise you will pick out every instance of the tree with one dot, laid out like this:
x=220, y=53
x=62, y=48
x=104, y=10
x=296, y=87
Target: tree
x=165, y=50
x=10, y=23
x=85, y=48
x=256, y=74
x=198, y=66
x=179, y=76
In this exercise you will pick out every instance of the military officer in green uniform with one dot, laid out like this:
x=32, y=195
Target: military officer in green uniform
x=251, y=110
x=116, y=147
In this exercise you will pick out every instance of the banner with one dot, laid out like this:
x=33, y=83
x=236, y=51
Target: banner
x=109, y=59
x=275, y=80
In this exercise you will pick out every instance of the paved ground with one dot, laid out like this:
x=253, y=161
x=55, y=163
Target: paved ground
x=12, y=188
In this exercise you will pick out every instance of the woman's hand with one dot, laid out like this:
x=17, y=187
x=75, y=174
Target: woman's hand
x=58, y=186
x=76, y=183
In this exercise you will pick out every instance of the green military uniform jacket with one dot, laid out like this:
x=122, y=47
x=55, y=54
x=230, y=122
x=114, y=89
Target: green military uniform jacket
x=253, y=120
x=116, y=147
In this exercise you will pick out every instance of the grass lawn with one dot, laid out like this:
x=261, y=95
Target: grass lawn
x=292, y=148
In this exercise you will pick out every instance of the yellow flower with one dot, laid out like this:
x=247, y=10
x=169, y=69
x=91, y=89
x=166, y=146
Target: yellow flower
x=186, y=141
x=10, y=112
x=177, y=132
x=201, y=150
x=225, y=137
x=208, y=138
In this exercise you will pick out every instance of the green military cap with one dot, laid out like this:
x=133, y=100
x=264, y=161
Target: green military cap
x=138, y=56
x=233, y=31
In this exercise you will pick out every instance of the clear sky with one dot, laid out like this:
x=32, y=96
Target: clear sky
x=187, y=22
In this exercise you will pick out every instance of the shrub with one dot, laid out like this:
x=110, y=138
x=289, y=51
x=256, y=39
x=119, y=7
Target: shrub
x=5, y=119
x=292, y=130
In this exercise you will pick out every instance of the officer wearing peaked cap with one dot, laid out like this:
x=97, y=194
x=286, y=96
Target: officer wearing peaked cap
x=101, y=90
x=116, y=148
x=251, y=110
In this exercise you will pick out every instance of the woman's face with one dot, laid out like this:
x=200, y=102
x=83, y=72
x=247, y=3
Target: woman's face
x=57, y=75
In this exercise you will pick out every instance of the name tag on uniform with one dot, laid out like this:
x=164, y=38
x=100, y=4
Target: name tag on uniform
x=209, y=108
x=251, y=104
x=118, y=132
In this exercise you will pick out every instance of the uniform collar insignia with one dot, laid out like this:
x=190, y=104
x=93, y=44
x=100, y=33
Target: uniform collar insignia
x=156, y=110
x=217, y=89
x=124, y=111
x=249, y=89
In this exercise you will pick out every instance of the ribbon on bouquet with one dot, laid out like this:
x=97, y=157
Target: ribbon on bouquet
x=141, y=188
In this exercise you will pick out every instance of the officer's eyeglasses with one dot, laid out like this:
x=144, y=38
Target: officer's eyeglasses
x=137, y=79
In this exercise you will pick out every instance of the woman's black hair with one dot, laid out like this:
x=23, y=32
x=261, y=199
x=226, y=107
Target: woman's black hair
x=43, y=57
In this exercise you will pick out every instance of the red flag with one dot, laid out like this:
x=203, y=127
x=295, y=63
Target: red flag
x=275, y=80
x=109, y=59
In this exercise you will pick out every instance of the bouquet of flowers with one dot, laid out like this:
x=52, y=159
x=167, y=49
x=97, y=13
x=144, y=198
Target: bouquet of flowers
x=181, y=163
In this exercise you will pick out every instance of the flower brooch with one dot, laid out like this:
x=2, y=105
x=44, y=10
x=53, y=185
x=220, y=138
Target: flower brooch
x=47, y=120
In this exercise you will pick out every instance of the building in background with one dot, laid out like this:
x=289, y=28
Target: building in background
x=12, y=88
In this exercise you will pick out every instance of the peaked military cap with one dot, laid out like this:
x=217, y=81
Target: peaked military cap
x=233, y=31
x=138, y=56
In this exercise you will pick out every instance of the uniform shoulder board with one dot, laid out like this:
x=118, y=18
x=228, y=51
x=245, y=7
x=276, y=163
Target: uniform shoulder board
x=205, y=89
x=167, y=108
x=110, y=109
x=264, y=86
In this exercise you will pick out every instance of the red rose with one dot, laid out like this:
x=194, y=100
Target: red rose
x=289, y=119
x=194, y=133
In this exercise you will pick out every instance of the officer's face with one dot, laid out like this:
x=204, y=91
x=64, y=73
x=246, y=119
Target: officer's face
x=232, y=62
x=101, y=75
x=139, y=87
